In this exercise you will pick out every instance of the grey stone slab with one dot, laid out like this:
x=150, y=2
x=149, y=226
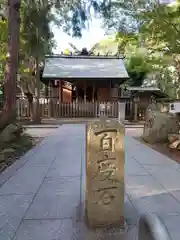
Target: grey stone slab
x=130, y=214
x=63, y=229
x=134, y=168
x=68, y=157
x=146, y=155
x=153, y=158
x=132, y=234
x=65, y=185
x=11, y=170
x=69, y=151
x=44, y=158
x=167, y=176
x=56, y=199
x=162, y=203
x=155, y=170
x=175, y=194
x=54, y=207
x=46, y=230
x=83, y=232
x=60, y=170
x=142, y=186
x=172, y=225
x=12, y=211
x=24, y=181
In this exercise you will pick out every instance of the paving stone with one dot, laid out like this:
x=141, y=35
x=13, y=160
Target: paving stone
x=130, y=213
x=25, y=181
x=12, y=210
x=56, y=199
x=172, y=224
x=134, y=168
x=64, y=229
x=162, y=203
x=45, y=230
x=152, y=185
x=63, y=170
x=142, y=186
x=160, y=174
x=132, y=234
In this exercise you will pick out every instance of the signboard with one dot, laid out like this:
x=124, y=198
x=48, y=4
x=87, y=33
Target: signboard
x=174, y=107
x=167, y=1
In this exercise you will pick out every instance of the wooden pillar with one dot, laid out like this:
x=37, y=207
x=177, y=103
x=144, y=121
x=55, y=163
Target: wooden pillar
x=50, y=100
x=76, y=94
x=110, y=87
x=136, y=100
x=46, y=91
x=131, y=109
x=135, y=111
x=60, y=91
x=84, y=90
x=93, y=92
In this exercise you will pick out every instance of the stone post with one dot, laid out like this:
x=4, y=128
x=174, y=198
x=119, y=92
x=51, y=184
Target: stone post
x=105, y=160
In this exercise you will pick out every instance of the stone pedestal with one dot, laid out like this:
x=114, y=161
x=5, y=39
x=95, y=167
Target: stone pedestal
x=105, y=160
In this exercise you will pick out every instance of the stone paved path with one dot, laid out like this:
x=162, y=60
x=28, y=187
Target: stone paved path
x=43, y=199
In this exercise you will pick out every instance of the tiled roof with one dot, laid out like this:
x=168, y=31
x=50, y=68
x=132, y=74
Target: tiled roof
x=84, y=67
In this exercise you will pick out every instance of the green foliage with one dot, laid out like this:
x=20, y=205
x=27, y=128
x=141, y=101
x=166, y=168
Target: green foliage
x=161, y=26
x=3, y=48
x=38, y=38
x=74, y=15
x=138, y=64
x=168, y=82
x=106, y=46
x=123, y=15
x=161, y=32
x=153, y=30
x=67, y=52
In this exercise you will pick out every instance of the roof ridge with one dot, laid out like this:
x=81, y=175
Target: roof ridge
x=83, y=56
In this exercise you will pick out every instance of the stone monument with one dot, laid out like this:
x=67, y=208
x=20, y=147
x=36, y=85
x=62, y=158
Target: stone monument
x=105, y=158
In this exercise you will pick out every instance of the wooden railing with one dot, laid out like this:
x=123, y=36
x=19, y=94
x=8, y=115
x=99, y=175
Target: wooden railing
x=52, y=107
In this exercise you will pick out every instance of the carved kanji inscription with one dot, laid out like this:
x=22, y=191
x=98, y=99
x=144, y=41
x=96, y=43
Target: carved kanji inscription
x=105, y=173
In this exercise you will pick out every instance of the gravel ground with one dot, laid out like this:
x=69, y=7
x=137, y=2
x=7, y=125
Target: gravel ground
x=40, y=132
x=134, y=132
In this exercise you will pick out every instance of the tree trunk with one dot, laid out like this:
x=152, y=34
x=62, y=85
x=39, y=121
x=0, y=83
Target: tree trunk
x=37, y=115
x=8, y=114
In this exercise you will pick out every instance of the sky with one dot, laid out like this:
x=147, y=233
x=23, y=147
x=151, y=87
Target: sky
x=90, y=36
